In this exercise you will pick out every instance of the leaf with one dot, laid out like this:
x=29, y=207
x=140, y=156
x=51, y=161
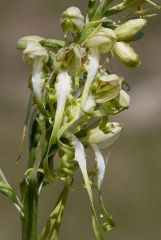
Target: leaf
x=53, y=224
x=39, y=152
x=101, y=9
x=6, y=190
x=133, y=3
x=25, y=127
x=114, y=10
x=147, y=10
x=91, y=8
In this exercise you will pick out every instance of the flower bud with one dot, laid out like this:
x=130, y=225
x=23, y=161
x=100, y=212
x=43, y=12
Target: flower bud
x=22, y=42
x=101, y=139
x=72, y=20
x=128, y=30
x=101, y=38
x=126, y=54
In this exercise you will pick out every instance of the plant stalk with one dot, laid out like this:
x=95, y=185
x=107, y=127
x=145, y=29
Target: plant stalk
x=29, y=222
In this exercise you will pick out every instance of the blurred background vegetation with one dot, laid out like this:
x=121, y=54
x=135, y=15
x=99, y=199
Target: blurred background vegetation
x=132, y=186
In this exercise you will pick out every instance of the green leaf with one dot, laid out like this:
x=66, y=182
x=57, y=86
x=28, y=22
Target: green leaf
x=6, y=190
x=114, y=10
x=53, y=224
x=147, y=10
x=40, y=149
x=101, y=9
x=91, y=8
x=133, y=3
x=28, y=113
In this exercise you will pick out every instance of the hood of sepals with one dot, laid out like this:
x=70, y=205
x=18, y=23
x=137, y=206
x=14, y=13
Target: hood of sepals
x=23, y=42
x=68, y=58
x=35, y=51
x=102, y=140
x=101, y=38
x=109, y=86
x=117, y=105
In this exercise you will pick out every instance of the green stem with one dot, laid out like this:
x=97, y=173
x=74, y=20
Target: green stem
x=29, y=223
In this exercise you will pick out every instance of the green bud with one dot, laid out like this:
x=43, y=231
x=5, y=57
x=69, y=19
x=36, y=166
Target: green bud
x=22, y=42
x=72, y=20
x=126, y=54
x=128, y=30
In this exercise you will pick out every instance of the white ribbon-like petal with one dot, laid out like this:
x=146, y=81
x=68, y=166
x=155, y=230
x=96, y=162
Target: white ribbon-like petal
x=101, y=167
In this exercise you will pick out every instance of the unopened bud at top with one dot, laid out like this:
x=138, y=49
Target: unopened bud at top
x=72, y=20
x=128, y=30
x=101, y=38
x=126, y=54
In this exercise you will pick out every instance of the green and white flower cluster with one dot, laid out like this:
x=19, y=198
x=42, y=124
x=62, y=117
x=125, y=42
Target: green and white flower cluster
x=74, y=94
